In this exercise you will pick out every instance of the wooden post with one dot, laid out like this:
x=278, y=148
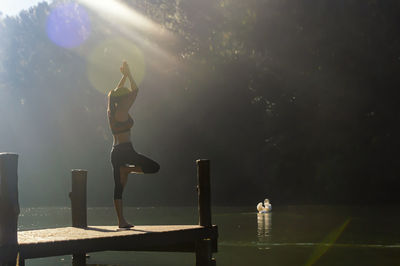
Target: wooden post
x=204, y=253
x=204, y=193
x=21, y=261
x=9, y=208
x=204, y=246
x=78, y=198
x=79, y=259
x=79, y=208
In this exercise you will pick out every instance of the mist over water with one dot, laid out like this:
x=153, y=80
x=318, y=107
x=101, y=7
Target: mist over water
x=294, y=101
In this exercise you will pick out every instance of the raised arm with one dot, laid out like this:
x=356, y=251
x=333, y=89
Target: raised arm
x=134, y=89
x=132, y=82
x=121, y=83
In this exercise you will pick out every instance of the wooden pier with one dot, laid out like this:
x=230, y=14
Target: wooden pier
x=80, y=239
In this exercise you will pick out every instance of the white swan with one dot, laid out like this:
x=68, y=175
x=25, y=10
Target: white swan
x=267, y=207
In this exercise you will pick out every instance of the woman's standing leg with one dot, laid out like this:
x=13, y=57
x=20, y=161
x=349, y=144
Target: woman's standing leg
x=120, y=159
x=120, y=180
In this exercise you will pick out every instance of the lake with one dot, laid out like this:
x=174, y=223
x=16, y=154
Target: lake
x=289, y=235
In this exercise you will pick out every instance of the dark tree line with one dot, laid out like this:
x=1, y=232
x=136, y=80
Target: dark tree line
x=291, y=100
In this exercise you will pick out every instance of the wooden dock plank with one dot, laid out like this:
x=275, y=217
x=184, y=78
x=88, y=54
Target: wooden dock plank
x=80, y=239
x=92, y=232
x=69, y=240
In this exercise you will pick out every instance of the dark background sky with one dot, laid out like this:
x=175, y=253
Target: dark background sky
x=294, y=100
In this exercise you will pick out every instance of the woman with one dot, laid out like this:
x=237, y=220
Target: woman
x=124, y=158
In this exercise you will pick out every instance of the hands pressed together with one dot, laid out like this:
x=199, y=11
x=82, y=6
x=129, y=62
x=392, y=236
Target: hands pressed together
x=125, y=69
x=126, y=74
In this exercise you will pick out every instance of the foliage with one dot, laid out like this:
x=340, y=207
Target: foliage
x=294, y=100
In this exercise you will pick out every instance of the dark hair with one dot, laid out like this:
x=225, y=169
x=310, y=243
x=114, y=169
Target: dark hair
x=114, y=96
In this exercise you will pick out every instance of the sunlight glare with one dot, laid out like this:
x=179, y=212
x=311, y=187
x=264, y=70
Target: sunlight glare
x=115, y=11
x=106, y=58
x=14, y=7
x=149, y=37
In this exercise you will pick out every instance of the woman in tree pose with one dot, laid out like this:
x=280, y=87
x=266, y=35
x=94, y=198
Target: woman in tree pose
x=124, y=158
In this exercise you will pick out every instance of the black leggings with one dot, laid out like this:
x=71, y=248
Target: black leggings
x=124, y=154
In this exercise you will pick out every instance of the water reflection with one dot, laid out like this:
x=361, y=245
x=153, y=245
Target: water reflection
x=264, y=226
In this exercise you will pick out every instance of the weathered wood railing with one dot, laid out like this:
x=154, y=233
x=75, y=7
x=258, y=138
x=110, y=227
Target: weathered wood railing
x=202, y=239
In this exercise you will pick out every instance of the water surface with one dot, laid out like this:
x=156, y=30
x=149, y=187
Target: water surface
x=290, y=235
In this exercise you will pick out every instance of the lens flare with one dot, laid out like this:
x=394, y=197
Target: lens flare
x=68, y=25
x=106, y=58
x=327, y=243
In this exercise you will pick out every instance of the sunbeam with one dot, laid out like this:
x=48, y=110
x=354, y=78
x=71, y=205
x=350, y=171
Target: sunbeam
x=114, y=10
x=105, y=59
x=144, y=38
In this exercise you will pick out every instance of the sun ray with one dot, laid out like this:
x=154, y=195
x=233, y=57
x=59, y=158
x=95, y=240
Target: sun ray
x=116, y=11
x=140, y=38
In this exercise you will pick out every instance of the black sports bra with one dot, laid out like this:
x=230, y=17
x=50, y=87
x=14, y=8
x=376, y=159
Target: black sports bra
x=118, y=127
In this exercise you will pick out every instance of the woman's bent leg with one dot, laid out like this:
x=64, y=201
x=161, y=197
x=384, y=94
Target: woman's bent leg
x=147, y=165
x=121, y=157
x=134, y=169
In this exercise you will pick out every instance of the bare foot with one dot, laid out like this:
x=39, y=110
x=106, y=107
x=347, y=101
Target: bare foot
x=125, y=225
